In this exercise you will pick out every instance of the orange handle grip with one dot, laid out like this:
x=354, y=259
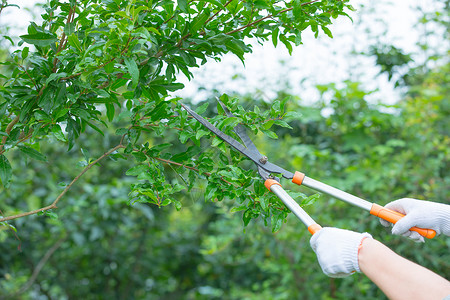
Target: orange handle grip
x=314, y=228
x=298, y=178
x=393, y=217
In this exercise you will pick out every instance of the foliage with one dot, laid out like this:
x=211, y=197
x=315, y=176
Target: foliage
x=389, y=58
x=98, y=64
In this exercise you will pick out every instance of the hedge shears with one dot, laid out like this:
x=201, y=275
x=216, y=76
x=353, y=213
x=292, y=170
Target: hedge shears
x=266, y=169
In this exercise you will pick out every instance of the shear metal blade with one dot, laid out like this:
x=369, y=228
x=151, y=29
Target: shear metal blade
x=240, y=130
x=228, y=139
x=251, y=152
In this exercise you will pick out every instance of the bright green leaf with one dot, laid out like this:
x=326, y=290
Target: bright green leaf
x=32, y=153
x=40, y=39
x=5, y=171
x=132, y=69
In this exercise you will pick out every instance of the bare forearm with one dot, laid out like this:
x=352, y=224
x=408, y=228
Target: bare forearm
x=398, y=277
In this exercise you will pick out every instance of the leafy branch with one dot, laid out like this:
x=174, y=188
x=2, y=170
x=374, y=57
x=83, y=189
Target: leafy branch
x=63, y=40
x=54, y=203
x=8, y=131
x=267, y=17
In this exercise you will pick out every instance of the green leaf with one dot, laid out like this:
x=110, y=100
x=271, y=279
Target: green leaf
x=182, y=4
x=5, y=171
x=184, y=136
x=110, y=111
x=55, y=77
x=140, y=157
x=25, y=52
x=230, y=122
x=32, y=153
x=90, y=124
x=57, y=132
x=238, y=208
x=86, y=154
x=327, y=31
x=275, y=33
x=161, y=147
x=267, y=125
x=136, y=170
x=286, y=43
x=154, y=30
x=41, y=39
x=135, y=12
x=51, y=215
x=201, y=109
x=282, y=124
x=198, y=22
x=264, y=202
x=310, y=200
x=238, y=48
x=277, y=221
x=122, y=13
x=270, y=134
x=69, y=28
x=10, y=226
x=74, y=42
x=216, y=142
x=201, y=133
x=132, y=69
x=247, y=216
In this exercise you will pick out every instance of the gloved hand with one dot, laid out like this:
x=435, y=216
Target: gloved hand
x=423, y=214
x=337, y=250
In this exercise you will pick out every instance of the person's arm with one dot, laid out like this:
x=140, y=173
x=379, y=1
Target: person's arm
x=398, y=277
x=342, y=252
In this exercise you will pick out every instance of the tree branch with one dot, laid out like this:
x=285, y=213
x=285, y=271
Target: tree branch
x=190, y=168
x=214, y=15
x=40, y=265
x=63, y=40
x=53, y=205
x=8, y=131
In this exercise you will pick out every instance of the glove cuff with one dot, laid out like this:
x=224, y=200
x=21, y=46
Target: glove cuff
x=351, y=251
x=443, y=216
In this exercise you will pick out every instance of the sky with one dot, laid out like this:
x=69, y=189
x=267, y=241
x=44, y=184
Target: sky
x=316, y=61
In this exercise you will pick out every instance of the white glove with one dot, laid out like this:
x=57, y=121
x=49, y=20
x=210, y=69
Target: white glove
x=423, y=214
x=337, y=250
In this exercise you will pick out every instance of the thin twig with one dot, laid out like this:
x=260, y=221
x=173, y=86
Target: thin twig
x=63, y=40
x=21, y=140
x=180, y=165
x=173, y=16
x=8, y=131
x=53, y=205
x=266, y=17
x=214, y=15
x=192, y=168
x=41, y=264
